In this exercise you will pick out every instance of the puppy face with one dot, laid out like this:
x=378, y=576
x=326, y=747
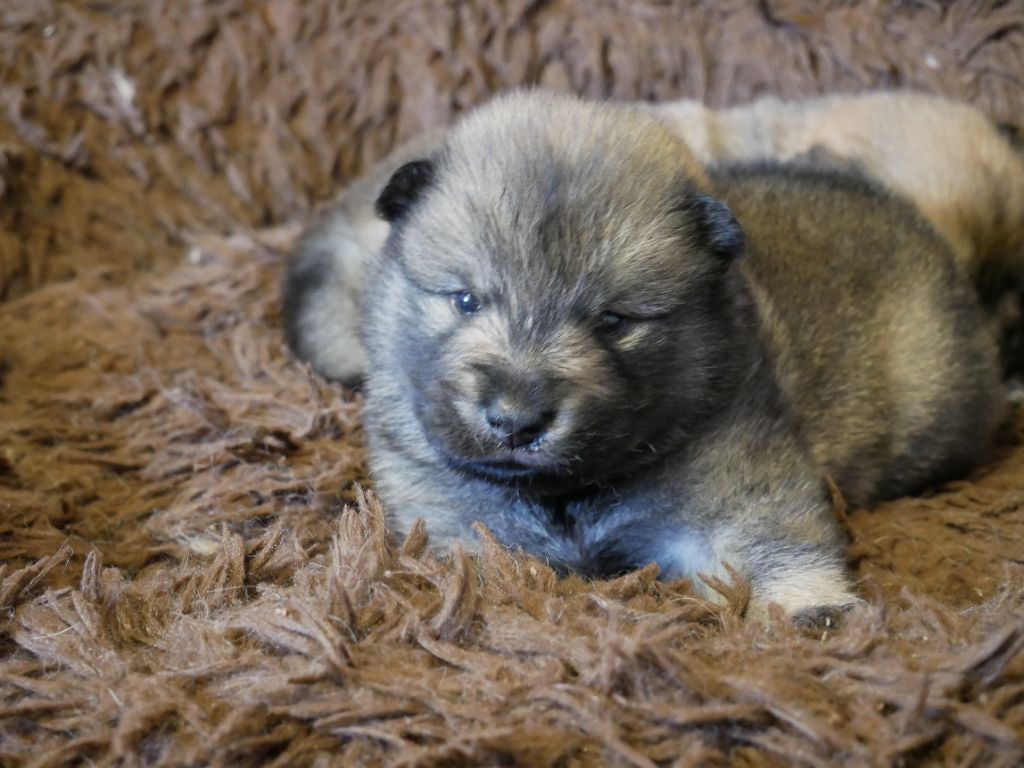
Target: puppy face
x=564, y=301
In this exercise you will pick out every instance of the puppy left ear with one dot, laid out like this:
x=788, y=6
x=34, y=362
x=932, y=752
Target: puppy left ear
x=403, y=189
x=716, y=225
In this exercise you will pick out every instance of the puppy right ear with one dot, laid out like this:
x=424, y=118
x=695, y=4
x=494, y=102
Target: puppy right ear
x=404, y=189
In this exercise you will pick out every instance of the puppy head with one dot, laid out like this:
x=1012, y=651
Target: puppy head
x=563, y=293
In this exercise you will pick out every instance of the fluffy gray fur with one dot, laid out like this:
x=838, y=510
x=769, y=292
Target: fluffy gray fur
x=686, y=392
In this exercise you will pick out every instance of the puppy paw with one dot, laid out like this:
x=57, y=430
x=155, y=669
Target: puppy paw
x=811, y=596
x=822, y=616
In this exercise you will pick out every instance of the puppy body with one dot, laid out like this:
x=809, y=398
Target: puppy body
x=662, y=391
x=874, y=328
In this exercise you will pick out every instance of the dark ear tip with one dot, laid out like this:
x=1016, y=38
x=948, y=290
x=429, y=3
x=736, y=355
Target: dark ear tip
x=403, y=189
x=720, y=227
x=1013, y=133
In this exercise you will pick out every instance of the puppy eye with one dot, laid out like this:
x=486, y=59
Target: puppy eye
x=466, y=302
x=610, y=323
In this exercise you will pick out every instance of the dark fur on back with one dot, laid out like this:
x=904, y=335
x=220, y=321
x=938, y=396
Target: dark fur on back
x=884, y=296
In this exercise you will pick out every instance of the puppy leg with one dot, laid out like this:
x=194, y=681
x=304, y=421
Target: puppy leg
x=808, y=581
x=805, y=576
x=810, y=593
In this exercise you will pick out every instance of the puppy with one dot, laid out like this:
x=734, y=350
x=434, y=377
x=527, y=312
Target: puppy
x=577, y=337
x=965, y=175
x=961, y=170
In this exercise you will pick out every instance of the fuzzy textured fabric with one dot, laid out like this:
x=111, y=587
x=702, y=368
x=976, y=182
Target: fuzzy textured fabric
x=193, y=567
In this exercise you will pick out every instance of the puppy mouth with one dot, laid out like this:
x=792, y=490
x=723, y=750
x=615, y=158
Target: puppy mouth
x=506, y=469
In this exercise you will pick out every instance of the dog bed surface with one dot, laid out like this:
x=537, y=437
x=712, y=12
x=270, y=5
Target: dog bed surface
x=193, y=567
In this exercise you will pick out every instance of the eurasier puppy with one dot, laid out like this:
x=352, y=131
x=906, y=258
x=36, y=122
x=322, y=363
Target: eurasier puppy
x=578, y=336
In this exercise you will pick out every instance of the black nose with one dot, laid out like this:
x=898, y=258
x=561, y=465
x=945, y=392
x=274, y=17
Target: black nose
x=517, y=425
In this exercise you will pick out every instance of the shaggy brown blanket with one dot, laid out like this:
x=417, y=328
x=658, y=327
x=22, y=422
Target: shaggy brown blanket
x=191, y=573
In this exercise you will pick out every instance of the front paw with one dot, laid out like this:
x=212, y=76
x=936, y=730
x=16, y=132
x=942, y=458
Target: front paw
x=812, y=596
x=823, y=616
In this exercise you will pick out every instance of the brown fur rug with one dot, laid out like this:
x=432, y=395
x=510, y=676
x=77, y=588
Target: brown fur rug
x=192, y=572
